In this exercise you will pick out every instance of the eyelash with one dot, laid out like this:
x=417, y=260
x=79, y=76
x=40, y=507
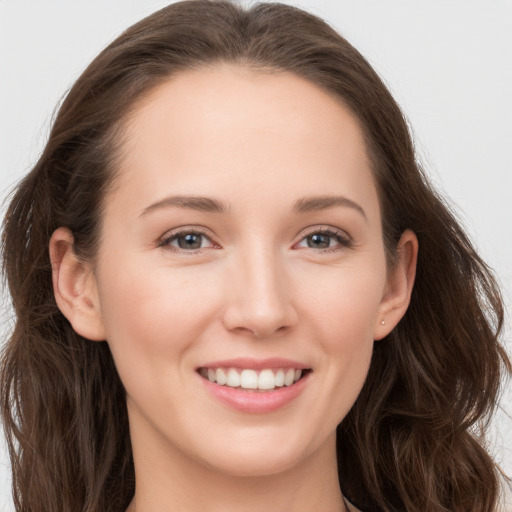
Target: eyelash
x=175, y=235
x=343, y=240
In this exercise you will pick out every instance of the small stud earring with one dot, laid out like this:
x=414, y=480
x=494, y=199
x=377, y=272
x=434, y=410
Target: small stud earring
x=382, y=322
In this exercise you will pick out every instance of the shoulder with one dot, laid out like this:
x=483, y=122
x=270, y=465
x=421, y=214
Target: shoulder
x=351, y=507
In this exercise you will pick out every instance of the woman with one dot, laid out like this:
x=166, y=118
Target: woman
x=235, y=289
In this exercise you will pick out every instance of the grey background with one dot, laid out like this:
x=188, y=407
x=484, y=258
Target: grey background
x=448, y=63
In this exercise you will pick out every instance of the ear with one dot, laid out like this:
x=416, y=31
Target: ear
x=74, y=286
x=399, y=284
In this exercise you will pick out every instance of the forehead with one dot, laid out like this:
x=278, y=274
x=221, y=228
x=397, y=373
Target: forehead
x=231, y=130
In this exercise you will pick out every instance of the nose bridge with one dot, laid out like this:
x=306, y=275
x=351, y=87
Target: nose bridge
x=259, y=296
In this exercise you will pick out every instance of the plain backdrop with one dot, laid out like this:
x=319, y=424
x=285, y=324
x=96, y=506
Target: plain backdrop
x=448, y=63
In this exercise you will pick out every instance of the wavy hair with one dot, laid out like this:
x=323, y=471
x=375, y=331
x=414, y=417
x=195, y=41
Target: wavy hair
x=411, y=441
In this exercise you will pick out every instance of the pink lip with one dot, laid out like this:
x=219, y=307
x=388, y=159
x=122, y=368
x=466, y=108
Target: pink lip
x=251, y=401
x=256, y=364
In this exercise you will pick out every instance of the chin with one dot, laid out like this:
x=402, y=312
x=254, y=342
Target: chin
x=258, y=465
x=266, y=454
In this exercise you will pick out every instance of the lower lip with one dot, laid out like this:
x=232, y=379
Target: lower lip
x=256, y=401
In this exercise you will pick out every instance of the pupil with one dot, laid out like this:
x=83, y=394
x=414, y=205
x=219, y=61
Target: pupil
x=190, y=241
x=318, y=241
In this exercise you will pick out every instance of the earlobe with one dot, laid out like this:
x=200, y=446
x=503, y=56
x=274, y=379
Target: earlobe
x=74, y=287
x=399, y=285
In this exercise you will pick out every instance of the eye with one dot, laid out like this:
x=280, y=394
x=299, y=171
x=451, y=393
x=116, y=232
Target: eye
x=325, y=239
x=187, y=241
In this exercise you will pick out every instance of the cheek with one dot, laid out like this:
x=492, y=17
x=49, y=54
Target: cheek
x=135, y=297
x=152, y=317
x=343, y=317
x=346, y=303
x=153, y=320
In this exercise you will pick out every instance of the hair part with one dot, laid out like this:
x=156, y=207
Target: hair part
x=409, y=442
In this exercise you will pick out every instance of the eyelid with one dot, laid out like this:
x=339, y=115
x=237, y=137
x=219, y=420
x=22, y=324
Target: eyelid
x=344, y=239
x=164, y=240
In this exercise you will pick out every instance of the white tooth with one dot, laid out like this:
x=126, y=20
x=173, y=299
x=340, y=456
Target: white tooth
x=266, y=380
x=211, y=374
x=221, y=376
x=297, y=375
x=288, y=378
x=233, y=378
x=280, y=378
x=249, y=379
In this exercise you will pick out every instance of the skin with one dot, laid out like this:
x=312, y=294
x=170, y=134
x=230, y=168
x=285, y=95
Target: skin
x=258, y=287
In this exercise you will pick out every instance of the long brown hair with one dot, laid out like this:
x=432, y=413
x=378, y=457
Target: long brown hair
x=411, y=441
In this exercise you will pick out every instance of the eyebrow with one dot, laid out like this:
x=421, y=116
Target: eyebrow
x=202, y=204
x=207, y=204
x=315, y=203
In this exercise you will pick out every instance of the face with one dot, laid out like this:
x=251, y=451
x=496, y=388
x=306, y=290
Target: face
x=241, y=276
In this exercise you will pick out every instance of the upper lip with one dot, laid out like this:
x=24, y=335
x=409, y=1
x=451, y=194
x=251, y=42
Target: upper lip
x=256, y=364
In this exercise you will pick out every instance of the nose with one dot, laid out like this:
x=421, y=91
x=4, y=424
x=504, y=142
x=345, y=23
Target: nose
x=259, y=296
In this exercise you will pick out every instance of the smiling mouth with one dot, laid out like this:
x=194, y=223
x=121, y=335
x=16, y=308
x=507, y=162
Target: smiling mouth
x=267, y=379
